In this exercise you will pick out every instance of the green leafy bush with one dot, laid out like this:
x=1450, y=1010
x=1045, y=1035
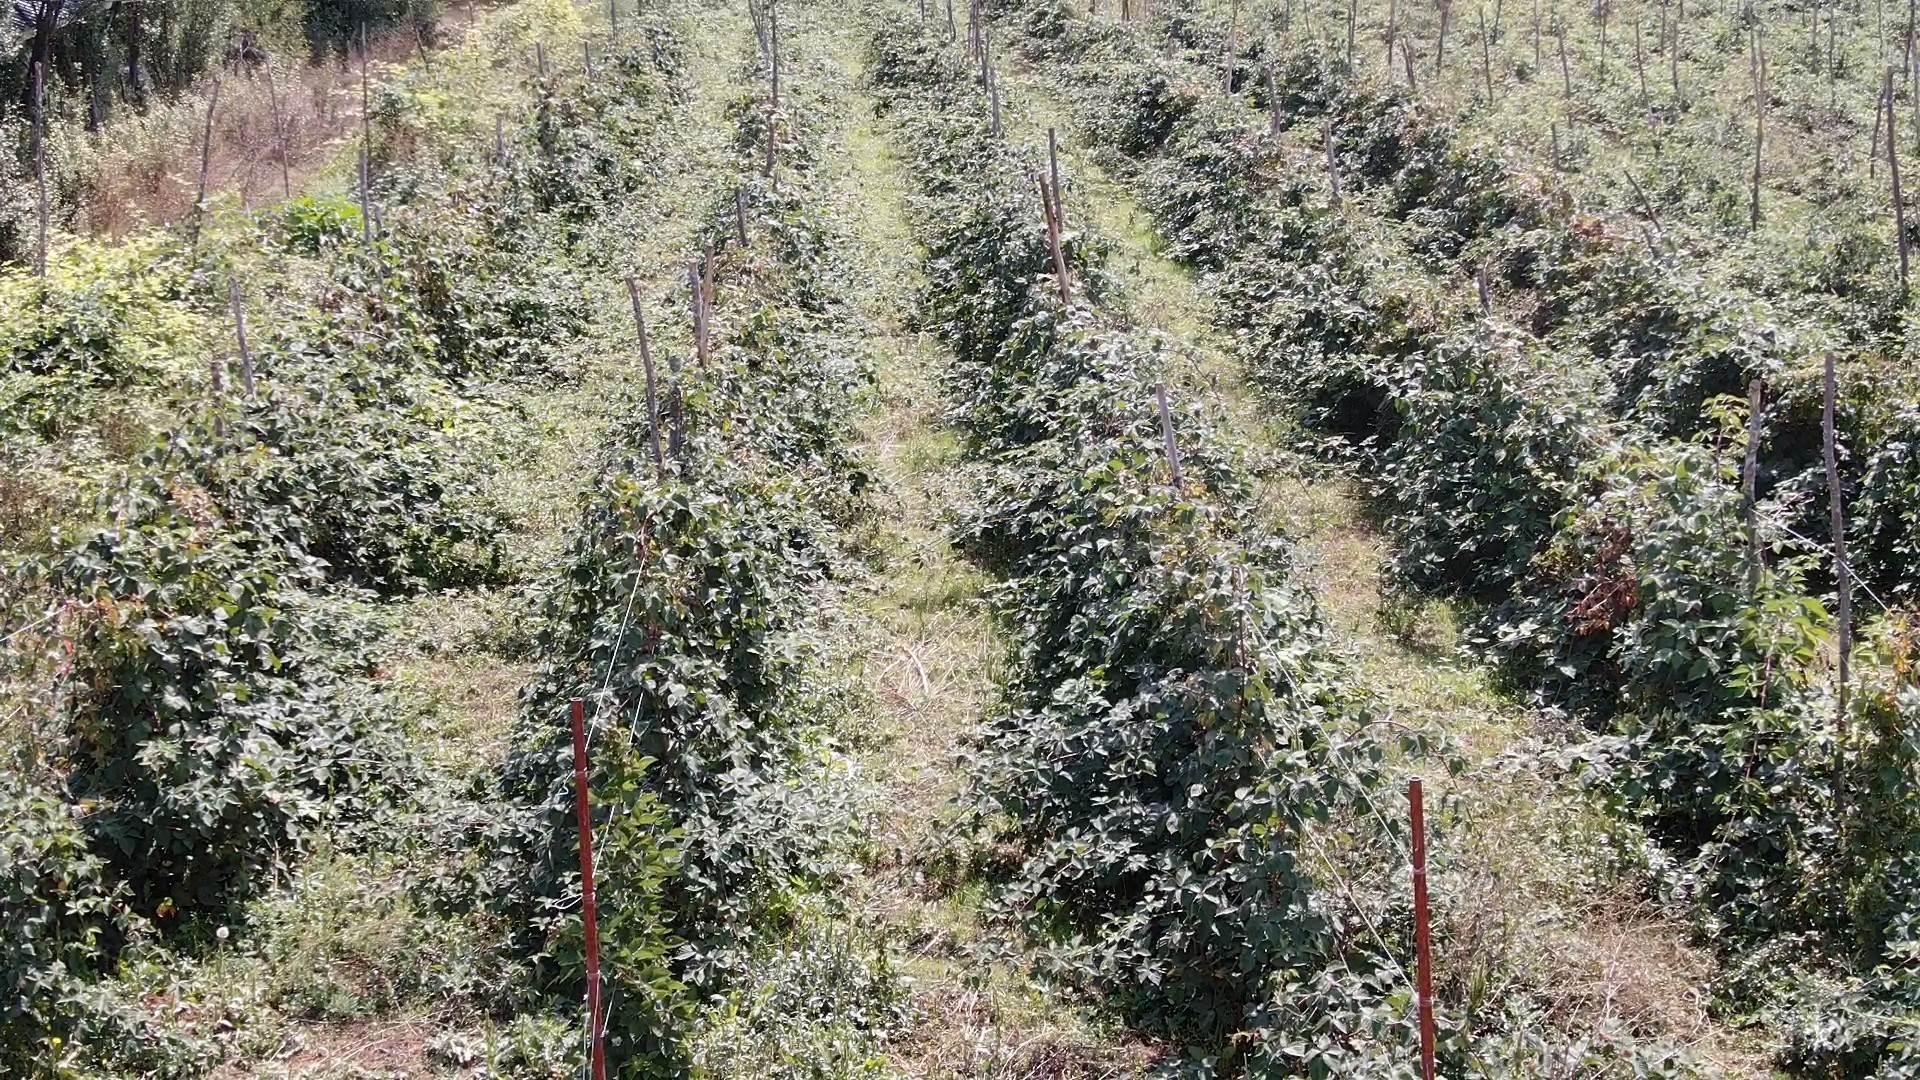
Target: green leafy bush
x=209, y=721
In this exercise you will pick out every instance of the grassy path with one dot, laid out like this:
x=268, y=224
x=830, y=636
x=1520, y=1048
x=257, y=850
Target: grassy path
x=927, y=651
x=1523, y=876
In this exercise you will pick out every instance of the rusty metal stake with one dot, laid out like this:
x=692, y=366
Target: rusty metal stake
x=1422, y=932
x=589, y=914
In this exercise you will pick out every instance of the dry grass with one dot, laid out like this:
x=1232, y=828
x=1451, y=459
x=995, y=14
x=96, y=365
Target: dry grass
x=369, y=1048
x=143, y=170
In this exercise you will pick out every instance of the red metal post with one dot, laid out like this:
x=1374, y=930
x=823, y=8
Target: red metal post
x=1422, y=934
x=589, y=914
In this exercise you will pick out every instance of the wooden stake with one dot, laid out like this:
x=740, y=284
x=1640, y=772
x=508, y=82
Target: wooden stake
x=1646, y=204
x=279, y=134
x=366, y=201
x=206, y=159
x=1759, y=64
x=366, y=97
x=740, y=214
x=499, y=138
x=40, y=164
x=1422, y=928
x=1333, y=164
x=646, y=362
x=1406, y=53
x=1053, y=170
x=993, y=84
x=589, y=911
x=1640, y=62
x=1054, y=248
x=1673, y=53
x=1566, y=71
x=698, y=295
x=1536, y=36
x=1880, y=112
x=1393, y=28
x=1273, y=99
x=1899, y=204
x=240, y=335
x=1166, y=434
x=1750, y=485
x=540, y=58
x=1600, y=15
x=1843, y=574
x=773, y=33
x=216, y=370
x=1228, y=61
x=1486, y=55
x=1440, y=47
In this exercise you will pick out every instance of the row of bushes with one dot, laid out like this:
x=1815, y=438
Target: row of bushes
x=1669, y=324
x=191, y=646
x=1595, y=515
x=1182, y=798
x=693, y=616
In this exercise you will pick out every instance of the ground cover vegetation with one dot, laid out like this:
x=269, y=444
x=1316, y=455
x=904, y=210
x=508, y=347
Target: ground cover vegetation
x=1539, y=372
x=556, y=375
